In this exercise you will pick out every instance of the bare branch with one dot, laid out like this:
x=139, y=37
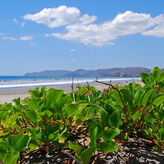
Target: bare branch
x=113, y=87
x=73, y=92
x=88, y=93
x=97, y=106
x=71, y=156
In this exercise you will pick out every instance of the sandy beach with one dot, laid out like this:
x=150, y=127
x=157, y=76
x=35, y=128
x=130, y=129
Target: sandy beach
x=7, y=95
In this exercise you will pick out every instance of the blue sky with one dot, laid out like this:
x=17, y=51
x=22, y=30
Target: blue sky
x=38, y=35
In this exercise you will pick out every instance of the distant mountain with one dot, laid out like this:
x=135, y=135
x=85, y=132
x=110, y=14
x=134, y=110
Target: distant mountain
x=50, y=73
x=113, y=72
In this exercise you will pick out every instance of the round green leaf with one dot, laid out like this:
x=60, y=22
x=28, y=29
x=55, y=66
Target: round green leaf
x=111, y=133
x=108, y=146
x=115, y=119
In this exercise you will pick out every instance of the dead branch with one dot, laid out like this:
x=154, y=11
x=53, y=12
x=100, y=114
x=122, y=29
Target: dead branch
x=113, y=87
x=73, y=92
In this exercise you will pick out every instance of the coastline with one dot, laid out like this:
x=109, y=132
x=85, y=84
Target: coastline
x=7, y=95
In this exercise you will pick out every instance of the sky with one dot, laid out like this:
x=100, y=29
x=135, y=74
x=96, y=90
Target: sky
x=38, y=35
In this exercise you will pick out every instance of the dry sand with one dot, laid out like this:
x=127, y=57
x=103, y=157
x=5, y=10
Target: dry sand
x=7, y=95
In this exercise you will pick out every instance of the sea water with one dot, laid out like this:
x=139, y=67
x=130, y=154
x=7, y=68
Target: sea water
x=7, y=82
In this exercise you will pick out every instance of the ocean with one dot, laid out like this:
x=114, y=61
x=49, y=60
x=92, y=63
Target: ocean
x=7, y=82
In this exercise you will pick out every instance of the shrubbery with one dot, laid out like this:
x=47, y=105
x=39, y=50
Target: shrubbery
x=86, y=121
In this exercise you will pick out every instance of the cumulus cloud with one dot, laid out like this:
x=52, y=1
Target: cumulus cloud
x=83, y=29
x=23, y=24
x=86, y=19
x=8, y=38
x=26, y=38
x=55, y=17
x=15, y=21
x=128, y=23
x=158, y=30
x=85, y=32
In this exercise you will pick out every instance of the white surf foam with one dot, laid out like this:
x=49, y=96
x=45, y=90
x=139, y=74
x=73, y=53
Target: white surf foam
x=64, y=82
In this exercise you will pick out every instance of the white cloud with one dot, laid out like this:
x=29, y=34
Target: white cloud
x=47, y=35
x=1, y=34
x=55, y=17
x=8, y=38
x=83, y=29
x=128, y=23
x=26, y=38
x=72, y=50
x=86, y=19
x=23, y=24
x=15, y=21
x=158, y=30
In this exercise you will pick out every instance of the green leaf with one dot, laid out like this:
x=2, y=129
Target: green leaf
x=115, y=119
x=149, y=85
x=159, y=100
x=108, y=146
x=125, y=94
x=9, y=122
x=34, y=93
x=31, y=114
x=155, y=72
x=71, y=109
x=79, y=116
x=95, y=133
x=150, y=119
x=9, y=157
x=93, y=123
x=161, y=134
x=54, y=99
x=12, y=121
x=47, y=113
x=33, y=104
x=63, y=135
x=104, y=118
x=4, y=145
x=111, y=133
x=21, y=142
x=138, y=95
x=144, y=77
x=18, y=142
x=148, y=131
x=5, y=120
x=117, y=99
x=43, y=90
x=32, y=147
x=50, y=130
x=73, y=145
x=108, y=107
x=2, y=153
x=161, y=114
x=132, y=89
x=161, y=78
x=87, y=154
x=137, y=115
x=147, y=96
x=3, y=112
